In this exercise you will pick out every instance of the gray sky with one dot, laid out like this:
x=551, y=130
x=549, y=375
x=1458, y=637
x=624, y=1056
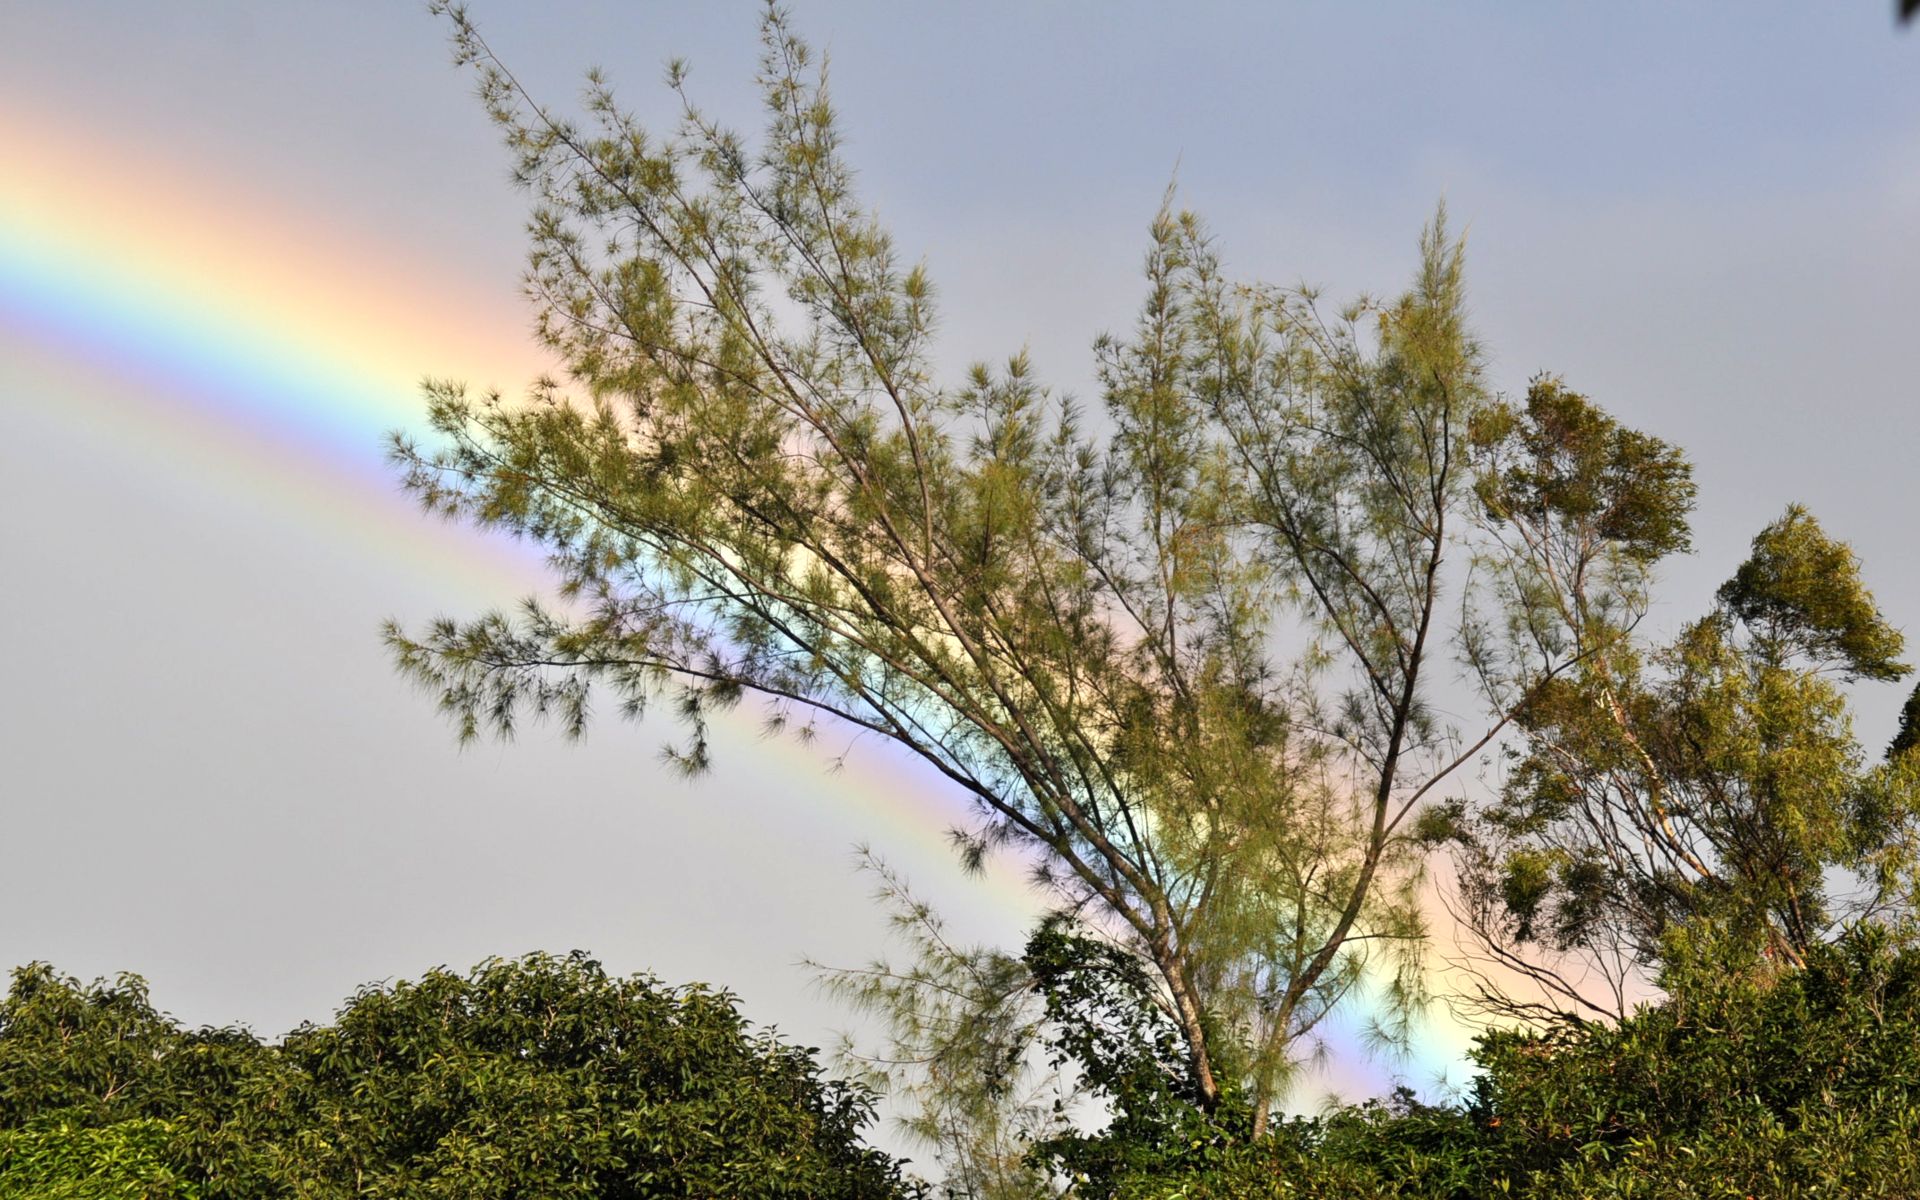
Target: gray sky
x=1705, y=217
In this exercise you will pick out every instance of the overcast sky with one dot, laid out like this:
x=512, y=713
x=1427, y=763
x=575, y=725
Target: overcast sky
x=1706, y=217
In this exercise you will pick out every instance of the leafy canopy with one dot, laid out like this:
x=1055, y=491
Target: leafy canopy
x=1663, y=797
x=541, y=1076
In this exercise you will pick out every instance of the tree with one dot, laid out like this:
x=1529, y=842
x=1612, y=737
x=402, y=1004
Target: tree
x=1705, y=796
x=56, y=1160
x=763, y=490
x=100, y=1057
x=966, y=1029
x=963, y=1027
x=541, y=1076
x=1807, y=1084
x=1102, y=1019
x=547, y=1077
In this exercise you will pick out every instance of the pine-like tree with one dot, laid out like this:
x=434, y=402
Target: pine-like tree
x=1178, y=650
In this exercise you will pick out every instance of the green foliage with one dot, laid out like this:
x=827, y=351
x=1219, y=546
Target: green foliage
x=62, y=1160
x=762, y=488
x=1102, y=1019
x=537, y=1077
x=101, y=1056
x=1711, y=786
x=544, y=1077
x=67, y=1049
x=1560, y=464
x=547, y=1077
x=1807, y=1086
x=958, y=1060
x=1800, y=593
x=1907, y=736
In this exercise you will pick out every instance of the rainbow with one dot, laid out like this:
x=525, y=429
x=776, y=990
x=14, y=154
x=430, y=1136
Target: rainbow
x=260, y=347
x=255, y=346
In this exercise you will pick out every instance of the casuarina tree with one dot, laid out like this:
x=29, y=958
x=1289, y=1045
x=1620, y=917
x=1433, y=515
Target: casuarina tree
x=1178, y=647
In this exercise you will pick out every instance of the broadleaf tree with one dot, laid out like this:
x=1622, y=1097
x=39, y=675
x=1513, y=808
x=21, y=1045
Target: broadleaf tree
x=1178, y=649
x=1668, y=801
x=539, y=1076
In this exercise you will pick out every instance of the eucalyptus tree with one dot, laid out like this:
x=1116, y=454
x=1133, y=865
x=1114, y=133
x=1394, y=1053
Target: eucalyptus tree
x=1177, y=650
x=1699, y=797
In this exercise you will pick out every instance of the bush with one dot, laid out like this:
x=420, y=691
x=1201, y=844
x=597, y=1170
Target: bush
x=58, y=1160
x=542, y=1077
x=545, y=1077
x=1804, y=1083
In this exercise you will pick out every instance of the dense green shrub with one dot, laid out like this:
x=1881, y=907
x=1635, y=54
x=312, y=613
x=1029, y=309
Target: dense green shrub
x=546, y=1077
x=542, y=1077
x=58, y=1160
x=1102, y=1019
x=1802, y=1083
x=79, y=1057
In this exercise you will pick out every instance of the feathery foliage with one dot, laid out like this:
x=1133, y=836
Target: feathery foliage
x=959, y=1059
x=1178, y=650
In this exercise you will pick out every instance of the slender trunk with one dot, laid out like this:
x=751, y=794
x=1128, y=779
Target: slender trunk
x=1262, y=1100
x=1193, y=1027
